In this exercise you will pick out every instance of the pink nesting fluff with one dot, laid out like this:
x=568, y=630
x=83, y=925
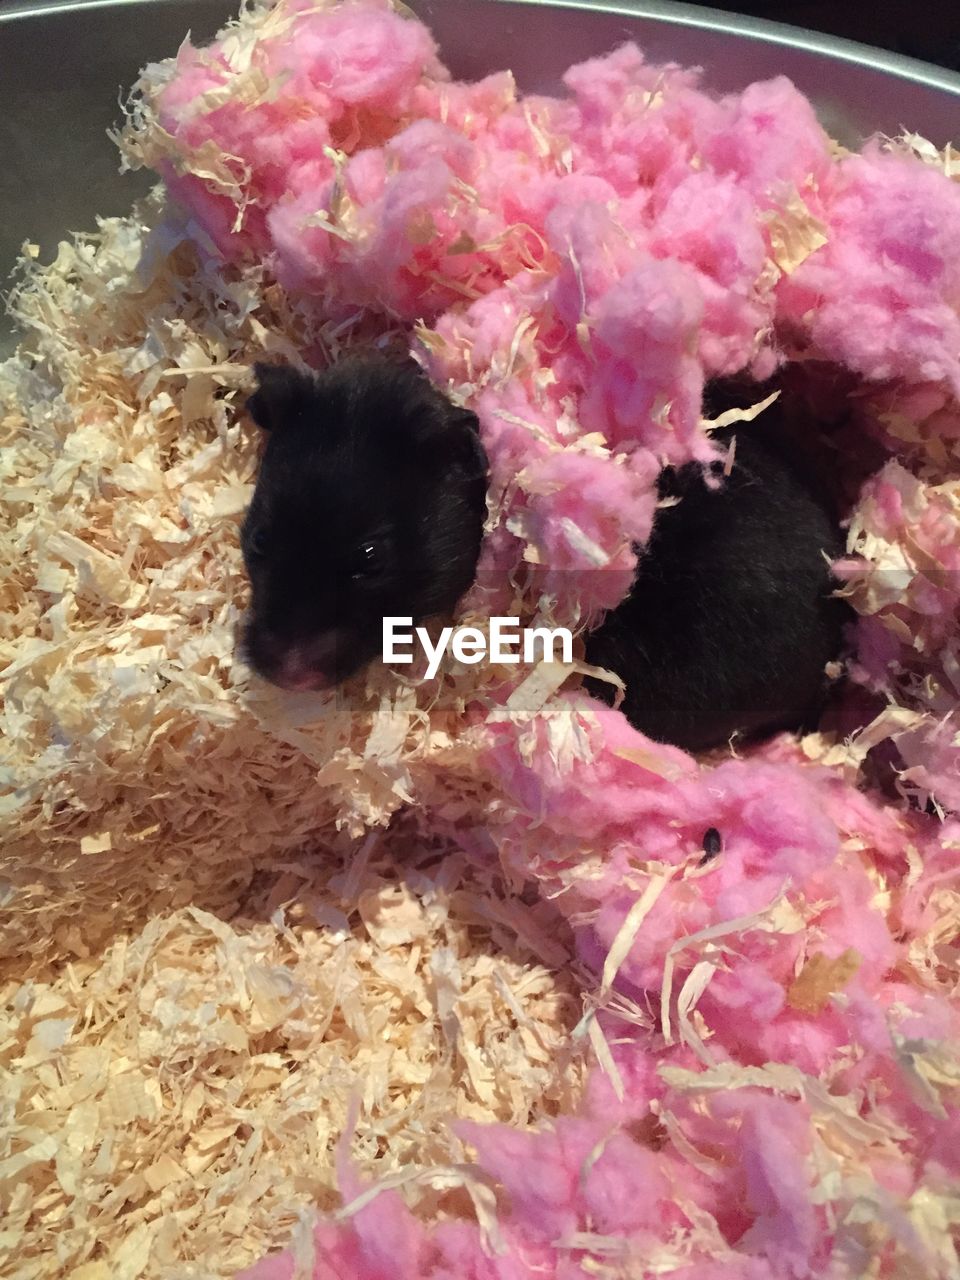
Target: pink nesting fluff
x=767, y=138
x=784, y=1103
x=882, y=296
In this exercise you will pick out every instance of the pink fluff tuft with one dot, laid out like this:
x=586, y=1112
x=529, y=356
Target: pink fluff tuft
x=883, y=295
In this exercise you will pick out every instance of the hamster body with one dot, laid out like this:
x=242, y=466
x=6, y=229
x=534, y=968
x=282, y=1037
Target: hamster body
x=371, y=500
x=731, y=622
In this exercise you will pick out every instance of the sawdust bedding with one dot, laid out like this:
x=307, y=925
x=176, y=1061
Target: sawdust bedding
x=443, y=962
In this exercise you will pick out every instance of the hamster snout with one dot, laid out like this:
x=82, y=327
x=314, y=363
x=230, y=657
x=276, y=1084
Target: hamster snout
x=298, y=663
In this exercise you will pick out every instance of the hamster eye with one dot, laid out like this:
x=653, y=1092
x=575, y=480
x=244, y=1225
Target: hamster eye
x=369, y=560
x=257, y=543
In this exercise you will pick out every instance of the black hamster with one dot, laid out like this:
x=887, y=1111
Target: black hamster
x=371, y=499
x=369, y=502
x=731, y=621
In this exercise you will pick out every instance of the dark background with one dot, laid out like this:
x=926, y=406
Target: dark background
x=927, y=29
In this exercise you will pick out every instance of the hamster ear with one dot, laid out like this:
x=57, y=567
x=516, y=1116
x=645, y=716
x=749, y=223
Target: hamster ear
x=460, y=442
x=282, y=395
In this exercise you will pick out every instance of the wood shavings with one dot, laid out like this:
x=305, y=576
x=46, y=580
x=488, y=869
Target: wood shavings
x=628, y=930
x=795, y=233
x=731, y=416
x=820, y=978
x=651, y=761
x=780, y=916
x=203, y=1045
x=605, y=1058
x=946, y=160
x=532, y=694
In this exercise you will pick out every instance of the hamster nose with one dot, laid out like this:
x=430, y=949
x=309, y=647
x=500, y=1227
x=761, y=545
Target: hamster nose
x=310, y=665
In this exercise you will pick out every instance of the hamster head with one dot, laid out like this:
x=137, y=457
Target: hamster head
x=369, y=502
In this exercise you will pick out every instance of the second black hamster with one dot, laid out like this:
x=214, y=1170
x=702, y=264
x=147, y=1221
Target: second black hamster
x=731, y=621
x=371, y=499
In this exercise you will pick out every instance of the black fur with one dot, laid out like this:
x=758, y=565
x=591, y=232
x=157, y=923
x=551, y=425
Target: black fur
x=730, y=623
x=727, y=630
x=367, y=454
